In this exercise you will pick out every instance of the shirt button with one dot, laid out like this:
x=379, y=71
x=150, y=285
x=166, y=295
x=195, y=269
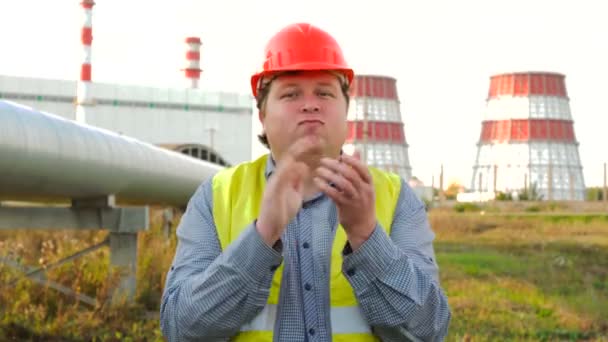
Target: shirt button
x=307, y=287
x=305, y=245
x=311, y=331
x=351, y=272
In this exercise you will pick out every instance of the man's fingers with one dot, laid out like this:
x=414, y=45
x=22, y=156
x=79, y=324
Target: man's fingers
x=291, y=171
x=343, y=169
x=300, y=170
x=358, y=166
x=344, y=185
x=333, y=193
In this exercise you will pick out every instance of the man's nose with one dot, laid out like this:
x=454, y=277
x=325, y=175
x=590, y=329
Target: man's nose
x=310, y=105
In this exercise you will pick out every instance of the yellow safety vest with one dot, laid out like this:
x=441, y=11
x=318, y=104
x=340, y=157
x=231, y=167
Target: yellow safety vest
x=237, y=196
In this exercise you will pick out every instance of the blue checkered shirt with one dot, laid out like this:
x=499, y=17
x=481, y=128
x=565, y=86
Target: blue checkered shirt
x=210, y=294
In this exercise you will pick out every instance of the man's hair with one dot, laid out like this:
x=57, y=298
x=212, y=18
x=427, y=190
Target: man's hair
x=262, y=96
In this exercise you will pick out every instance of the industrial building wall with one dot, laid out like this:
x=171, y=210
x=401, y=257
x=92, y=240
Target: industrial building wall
x=226, y=133
x=221, y=121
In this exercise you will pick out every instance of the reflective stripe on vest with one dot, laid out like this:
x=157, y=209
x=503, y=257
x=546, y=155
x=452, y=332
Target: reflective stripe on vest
x=237, y=197
x=344, y=320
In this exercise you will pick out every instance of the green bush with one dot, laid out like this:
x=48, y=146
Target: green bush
x=466, y=207
x=501, y=196
x=533, y=209
x=595, y=194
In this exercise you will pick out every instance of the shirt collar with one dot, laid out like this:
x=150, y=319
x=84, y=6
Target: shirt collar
x=270, y=166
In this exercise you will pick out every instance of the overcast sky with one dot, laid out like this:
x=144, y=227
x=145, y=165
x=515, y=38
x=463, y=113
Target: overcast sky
x=441, y=52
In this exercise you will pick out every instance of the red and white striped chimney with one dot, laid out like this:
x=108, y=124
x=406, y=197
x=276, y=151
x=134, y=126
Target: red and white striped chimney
x=83, y=92
x=193, y=56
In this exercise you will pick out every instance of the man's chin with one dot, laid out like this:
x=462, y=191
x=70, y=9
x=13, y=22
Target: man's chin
x=313, y=137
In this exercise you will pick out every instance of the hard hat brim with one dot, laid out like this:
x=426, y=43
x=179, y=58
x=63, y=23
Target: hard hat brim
x=255, y=79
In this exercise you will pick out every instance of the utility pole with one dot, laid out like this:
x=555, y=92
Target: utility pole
x=212, y=131
x=550, y=182
x=432, y=189
x=495, y=176
x=605, y=197
x=571, y=182
x=441, y=193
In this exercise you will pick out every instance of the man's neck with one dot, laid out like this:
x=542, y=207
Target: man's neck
x=310, y=189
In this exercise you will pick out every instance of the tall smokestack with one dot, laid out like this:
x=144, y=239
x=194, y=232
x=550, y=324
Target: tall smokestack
x=84, y=92
x=193, y=56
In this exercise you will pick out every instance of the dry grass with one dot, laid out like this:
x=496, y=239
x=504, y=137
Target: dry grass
x=511, y=277
x=508, y=277
x=520, y=230
x=30, y=311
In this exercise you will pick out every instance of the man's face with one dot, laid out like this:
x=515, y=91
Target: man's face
x=306, y=103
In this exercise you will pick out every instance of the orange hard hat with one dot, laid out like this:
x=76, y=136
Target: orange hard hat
x=302, y=47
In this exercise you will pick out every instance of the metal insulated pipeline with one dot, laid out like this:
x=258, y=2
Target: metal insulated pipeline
x=49, y=158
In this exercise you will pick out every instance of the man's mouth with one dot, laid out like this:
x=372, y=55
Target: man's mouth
x=311, y=122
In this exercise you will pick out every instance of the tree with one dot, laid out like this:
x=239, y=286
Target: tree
x=453, y=189
x=595, y=194
x=531, y=194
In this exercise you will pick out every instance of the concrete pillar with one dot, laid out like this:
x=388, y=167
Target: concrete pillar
x=123, y=259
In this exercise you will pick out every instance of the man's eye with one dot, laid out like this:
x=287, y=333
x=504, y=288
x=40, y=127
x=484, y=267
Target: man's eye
x=288, y=95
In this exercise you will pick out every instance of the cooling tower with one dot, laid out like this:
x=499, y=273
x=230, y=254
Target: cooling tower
x=527, y=142
x=375, y=127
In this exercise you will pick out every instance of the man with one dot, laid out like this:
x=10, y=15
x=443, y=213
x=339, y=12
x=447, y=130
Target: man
x=306, y=243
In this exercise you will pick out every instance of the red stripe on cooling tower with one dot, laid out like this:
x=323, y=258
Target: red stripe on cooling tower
x=191, y=40
x=88, y=4
x=85, y=72
x=374, y=86
x=193, y=73
x=87, y=35
x=526, y=130
x=193, y=55
x=526, y=84
x=377, y=131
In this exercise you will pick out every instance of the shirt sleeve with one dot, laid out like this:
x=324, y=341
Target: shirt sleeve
x=209, y=293
x=395, y=278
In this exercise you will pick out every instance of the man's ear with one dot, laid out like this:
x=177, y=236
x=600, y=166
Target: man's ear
x=262, y=116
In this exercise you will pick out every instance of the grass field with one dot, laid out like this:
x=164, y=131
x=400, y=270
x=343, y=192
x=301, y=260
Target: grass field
x=508, y=277
x=524, y=278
